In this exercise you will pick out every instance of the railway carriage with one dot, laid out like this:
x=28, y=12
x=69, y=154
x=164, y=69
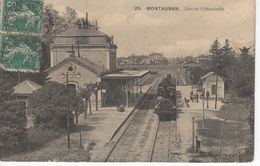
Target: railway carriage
x=166, y=100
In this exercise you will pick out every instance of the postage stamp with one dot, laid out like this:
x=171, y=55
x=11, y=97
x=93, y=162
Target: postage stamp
x=22, y=16
x=21, y=24
x=20, y=53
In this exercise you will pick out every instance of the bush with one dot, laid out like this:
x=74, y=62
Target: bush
x=12, y=125
x=50, y=105
x=38, y=136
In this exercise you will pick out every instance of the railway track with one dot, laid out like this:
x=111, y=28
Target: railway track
x=142, y=137
x=165, y=142
x=133, y=142
x=229, y=150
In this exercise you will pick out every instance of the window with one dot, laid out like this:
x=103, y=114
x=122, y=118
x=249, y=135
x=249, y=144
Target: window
x=213, y=89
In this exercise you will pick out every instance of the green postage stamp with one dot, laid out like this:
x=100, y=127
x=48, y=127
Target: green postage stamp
x=22, y=16
x=20, y=53
x=21, y=23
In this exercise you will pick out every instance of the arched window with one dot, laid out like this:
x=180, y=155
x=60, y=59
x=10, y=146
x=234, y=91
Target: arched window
x=73, y=87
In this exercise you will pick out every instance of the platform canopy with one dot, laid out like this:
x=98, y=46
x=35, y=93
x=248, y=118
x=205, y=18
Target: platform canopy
x=126, y=74
x=122, y=87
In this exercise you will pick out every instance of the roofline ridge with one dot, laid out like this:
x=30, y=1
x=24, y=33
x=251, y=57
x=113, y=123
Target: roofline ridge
x=31, y=83
x=89, y=67
x=75, y=27
x=77, y=61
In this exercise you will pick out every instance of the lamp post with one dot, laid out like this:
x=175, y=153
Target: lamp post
x=203, y=110
x=68, y=110
x=207, y=97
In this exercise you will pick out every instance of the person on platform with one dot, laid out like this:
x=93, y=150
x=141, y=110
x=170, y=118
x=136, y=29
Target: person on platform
x=186, y=101
x=197, y=97
x=191, y=95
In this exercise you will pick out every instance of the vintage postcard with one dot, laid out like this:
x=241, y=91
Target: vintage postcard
x=127, y=81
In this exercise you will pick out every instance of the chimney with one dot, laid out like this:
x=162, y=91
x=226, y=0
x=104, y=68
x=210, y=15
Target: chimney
x=71, y=53
x=96, y=24
x=87, y=19
x=79, y=24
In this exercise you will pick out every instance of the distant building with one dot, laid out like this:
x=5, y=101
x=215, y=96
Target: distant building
x=152, y=59
x=189, y=58
x=202, y=59
x=122, y=61
x=189, y=64
x=209, y=84
x=89, y=43
x=146, y=60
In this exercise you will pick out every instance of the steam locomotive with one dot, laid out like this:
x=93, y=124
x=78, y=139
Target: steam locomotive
x=166, y=99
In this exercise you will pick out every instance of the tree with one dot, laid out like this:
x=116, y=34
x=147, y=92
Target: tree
x=238, y=70
x=215, y=49
x=53, y=24
x=86, y=93
x=217, y=63
x=244, y=74
x=97, y=87
x=196, y=72
x=216, y=57
x=51, y=104
x=70, y=18
x=228, y=63
x=222, y=59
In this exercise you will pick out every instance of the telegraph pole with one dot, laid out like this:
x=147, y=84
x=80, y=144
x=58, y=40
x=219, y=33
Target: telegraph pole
x=126, y=92
x=203, y=114
x=193, y=133
x=207, y=96
x=78, y=48
x=216, y=99
x=68, y=116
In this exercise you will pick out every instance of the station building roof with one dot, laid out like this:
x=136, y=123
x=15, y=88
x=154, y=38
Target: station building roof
x=92, y=67
x=208, y=75
x=126, y=74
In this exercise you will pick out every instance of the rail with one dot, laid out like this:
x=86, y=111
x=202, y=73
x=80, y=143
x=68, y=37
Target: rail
x=131, y=117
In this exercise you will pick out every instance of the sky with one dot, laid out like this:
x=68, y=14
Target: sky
x=173, y=33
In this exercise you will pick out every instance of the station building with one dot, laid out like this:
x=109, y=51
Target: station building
x=83, y=55
x=89, y=43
